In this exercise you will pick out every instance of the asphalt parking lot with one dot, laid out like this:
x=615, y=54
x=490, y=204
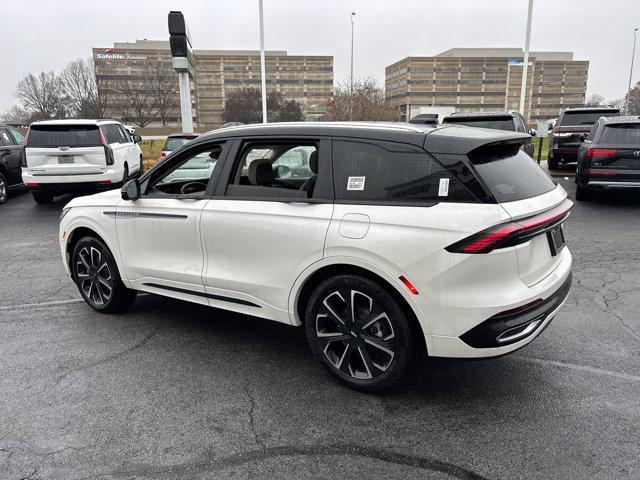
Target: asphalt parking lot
x=174, y=390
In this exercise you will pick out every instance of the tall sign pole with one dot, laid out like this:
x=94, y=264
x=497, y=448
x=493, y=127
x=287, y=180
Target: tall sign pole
x=353, y=14
x=263, y=69
x=633, y=54
x=182, y=58
x=525, y=65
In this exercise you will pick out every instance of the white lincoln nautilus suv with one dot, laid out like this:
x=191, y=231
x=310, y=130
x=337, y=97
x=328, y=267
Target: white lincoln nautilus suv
x=382, y=240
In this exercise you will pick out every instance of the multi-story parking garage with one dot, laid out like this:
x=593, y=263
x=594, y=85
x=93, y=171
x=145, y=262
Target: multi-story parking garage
x=308, y=79
x=487, y=79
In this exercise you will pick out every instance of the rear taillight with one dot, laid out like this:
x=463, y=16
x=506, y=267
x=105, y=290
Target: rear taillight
x=108, y=153
x=594, y=153
x=602, y=173
x=163, y=154
x=512, y=233
x=23, y=150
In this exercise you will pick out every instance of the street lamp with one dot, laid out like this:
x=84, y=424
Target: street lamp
x=263, y=72
x=353, y=14
x=633, y=54
x=525, y=65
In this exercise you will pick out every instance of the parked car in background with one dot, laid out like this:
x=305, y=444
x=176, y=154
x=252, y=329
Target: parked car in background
x=175, y=141
x=572, y=125
x=10, y=172
x=609, y=157
x=508, y=121
x=130, y=128
x=62, y=156
x=380, y=249
x=425, y=119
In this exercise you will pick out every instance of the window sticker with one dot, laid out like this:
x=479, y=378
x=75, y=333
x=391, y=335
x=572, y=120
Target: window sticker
x=355, y=183
x=443, y=189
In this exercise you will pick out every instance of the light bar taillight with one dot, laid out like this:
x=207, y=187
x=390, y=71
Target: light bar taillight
x=600, y=152
x=602, y=173
x=512, y=233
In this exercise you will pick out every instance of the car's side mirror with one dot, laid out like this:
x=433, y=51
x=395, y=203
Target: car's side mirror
x=137, y=138
x=131, y=190
x=533, y=132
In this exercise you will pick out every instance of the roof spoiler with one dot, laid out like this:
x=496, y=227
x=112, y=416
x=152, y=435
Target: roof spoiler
x=457, y=140
x=495, y=150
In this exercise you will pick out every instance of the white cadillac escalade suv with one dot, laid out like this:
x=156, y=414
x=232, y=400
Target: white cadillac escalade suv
x=62, y=156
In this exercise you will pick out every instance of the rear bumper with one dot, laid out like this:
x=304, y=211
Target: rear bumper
x=71, y=183
x=564, y=154
x=610, y=185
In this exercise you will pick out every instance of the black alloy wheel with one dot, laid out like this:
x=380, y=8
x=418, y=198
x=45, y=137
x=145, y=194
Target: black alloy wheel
x=96, y=275
x=4, y=189
x=358, y=332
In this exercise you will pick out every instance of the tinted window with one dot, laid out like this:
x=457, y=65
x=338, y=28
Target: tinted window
x=113, y=134
x=509, y=175
x=64, y=135
x=364, y=171
x=585, y=118
x=6, y=139
x=126, y=136
x=506, y=123
x=624, y=134
x=17, y=136
x=173, y=143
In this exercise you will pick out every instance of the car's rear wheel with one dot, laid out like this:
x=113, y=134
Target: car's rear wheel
x=4, y=189
x=553, y=163
x=42, y=198
x=96, y=275
x=358, y=332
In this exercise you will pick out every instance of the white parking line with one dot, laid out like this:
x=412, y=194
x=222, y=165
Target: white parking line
x=41, y=304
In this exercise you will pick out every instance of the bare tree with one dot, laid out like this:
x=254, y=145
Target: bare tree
x=366, y=103
x=16, y=115
x=632, y=100
x=245, y=105
x=162, y=82
x=617, y=103
x=136, y=102
x=42, y=96
x=79, y=83
x=594, y=100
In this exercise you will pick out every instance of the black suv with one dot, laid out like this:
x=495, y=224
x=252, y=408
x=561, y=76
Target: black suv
x=609, y=158
x=10, y=169
x=509, y=121
x=572, y=125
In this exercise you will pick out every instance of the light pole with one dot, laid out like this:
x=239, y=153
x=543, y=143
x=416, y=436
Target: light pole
x=353, y=14
x=633, y=54
x=263, y=68
x=525, y=65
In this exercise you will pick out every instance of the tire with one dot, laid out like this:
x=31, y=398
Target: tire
x=553, y=164
x=582, y=193
x=360, y=351
x=96, y=275
x=42, y=198
x=4, y=189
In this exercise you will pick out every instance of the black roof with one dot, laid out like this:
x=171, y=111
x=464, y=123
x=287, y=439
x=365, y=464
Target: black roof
x=592, y=109
x=481, y=114
x=183, y=135
x=434, y=138
x=626, y=119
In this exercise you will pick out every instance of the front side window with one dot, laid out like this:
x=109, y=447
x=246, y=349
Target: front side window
x=188, y=176
x=124, y=134
x=391, y=174
x=283, y=169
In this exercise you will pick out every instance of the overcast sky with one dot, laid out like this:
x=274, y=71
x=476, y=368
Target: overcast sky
x=46, y=34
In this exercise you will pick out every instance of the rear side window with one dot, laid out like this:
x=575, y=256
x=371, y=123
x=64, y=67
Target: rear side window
x=64, y=135
x=173, y=143
x=622, y=134
x=503, y=123
x=510, y=173
x=113, y=134
x=585, y=118
x=392, y=174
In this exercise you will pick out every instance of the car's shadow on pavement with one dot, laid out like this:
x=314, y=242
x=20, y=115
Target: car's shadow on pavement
x=260, y=345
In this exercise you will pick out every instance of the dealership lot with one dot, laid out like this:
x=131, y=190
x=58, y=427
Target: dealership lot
x=174, y=390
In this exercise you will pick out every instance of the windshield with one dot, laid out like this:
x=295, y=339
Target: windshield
x=64, y=135
x=504, y=123
x=623, y=134
x=173, y=143
x=586, y=118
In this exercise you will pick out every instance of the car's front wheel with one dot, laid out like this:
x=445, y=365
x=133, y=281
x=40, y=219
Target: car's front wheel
x=4, y=189
x=96, y=274
x=358, y=332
